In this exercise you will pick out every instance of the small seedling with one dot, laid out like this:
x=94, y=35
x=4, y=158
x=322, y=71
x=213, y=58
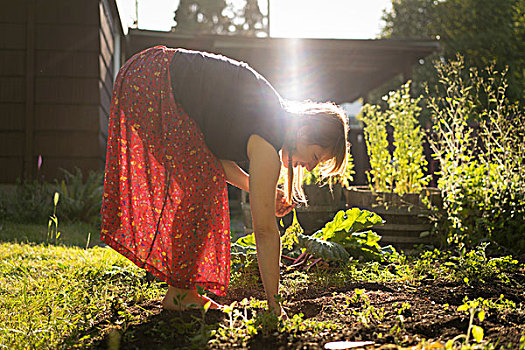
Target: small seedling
x=52, y=226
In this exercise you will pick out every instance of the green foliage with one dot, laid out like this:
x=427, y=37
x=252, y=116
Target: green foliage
x=32, y=201
x=328, y=251
x=220, y=17
x=348, y=229
x=347, y=222
x=245, y=319
x=81, y=198
x=481, y=169
x=28, y=202
x=312, y=177
x=475, y=268
x=290, y=236
x=349, y=173
x=366, y=313
x=479, y=307
x=315, y=176
x=57, y=297
x=244, y=245
x=376, y=136
x=481, y=30
x=49, y=295
x=402, y=171
x=471, y=267
x=409, y=163
x=344, y=233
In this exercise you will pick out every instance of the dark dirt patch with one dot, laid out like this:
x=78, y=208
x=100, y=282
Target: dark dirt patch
x=385, y=313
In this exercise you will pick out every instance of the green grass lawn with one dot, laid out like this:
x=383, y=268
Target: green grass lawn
x=51, y=294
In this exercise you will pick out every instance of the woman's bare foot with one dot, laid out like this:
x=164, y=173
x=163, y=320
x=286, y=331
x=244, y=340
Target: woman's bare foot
x=181, y=299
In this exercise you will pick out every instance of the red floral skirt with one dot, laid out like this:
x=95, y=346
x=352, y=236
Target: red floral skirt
x=165, y=204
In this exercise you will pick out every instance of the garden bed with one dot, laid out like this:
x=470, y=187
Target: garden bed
x=395, y=306
x=390, y=314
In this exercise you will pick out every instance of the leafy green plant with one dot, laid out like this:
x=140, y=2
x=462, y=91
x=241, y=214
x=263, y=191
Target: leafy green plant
x=314, y=177
x=380, y=176
x=474, y=267
x=81, y=198
x=28, y=202
x=403, y=170
x=343, y=235
x=350, y=229
x=366, y=313
x=409, y=163
x=472, y=307
x=349, y=173
x=478, y=140
x=244, y=245
x=329, y=251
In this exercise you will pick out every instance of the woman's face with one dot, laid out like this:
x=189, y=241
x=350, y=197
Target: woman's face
x=306, y=154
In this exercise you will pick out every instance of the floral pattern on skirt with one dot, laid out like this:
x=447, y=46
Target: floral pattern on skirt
x=165, y=203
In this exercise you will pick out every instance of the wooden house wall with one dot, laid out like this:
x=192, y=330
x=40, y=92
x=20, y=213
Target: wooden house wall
x=12, y=87
x=55, y=83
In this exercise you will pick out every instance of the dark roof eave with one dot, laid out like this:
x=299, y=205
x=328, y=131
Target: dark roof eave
x=231, y=41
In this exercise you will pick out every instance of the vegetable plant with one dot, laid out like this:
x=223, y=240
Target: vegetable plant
x=347, y=234
x=376, y=136
x=403, y=170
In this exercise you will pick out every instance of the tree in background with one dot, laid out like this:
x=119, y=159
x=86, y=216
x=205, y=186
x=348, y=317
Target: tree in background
x=482, y=31
x=220, y=17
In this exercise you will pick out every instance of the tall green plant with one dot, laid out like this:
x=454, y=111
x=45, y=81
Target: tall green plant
x=403, y=171
x=348, y=175
x=380, y=174
x=481, y=156
x=409, y=160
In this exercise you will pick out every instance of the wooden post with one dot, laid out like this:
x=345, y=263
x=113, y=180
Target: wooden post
x=29, y=167
x=268, y=19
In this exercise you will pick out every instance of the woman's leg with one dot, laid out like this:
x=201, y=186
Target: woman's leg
x=179, y=299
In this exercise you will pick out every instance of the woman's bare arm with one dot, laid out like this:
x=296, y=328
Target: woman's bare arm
x=235, y=175
x=265, y=166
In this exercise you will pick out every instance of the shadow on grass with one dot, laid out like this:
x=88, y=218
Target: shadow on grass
x=72, y=234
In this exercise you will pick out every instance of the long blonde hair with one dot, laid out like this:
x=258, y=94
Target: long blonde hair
x=329, y=129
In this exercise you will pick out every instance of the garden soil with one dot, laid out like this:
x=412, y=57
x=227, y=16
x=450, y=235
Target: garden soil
x=432, y=315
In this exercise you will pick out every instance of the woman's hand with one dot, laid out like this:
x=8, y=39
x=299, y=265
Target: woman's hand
x=281, y=207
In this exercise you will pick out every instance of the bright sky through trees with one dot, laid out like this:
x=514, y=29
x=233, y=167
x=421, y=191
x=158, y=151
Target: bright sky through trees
x=351, y=19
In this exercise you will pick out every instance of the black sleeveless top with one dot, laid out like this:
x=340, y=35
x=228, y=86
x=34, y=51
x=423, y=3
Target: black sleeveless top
x=229, y=101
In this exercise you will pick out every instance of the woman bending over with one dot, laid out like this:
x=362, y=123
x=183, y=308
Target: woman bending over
x=180, y=121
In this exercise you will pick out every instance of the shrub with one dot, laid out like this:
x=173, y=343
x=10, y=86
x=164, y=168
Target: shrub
x=481, y=157
x=81, y=198
x=29, y=202
x=32, y=201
